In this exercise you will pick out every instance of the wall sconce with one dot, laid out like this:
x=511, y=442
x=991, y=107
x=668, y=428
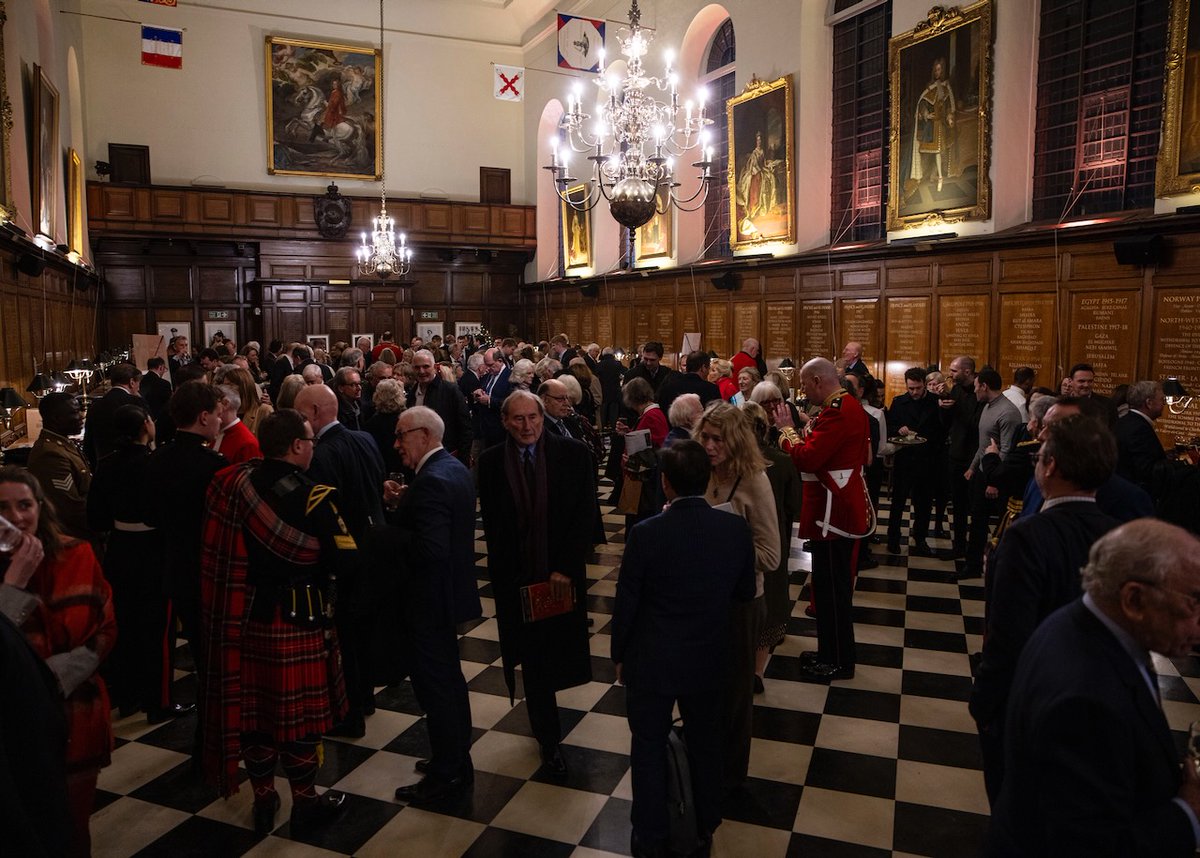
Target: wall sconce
x=1177, y=398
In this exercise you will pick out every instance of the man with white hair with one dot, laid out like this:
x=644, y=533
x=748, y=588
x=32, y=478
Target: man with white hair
x=312, y=374
x=447, y=400
x=1138, y=447
x=434, y=526
x=1091, y=767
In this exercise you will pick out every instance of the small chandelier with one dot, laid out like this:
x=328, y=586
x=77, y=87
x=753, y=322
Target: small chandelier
x=384, y=256
x=635, y=139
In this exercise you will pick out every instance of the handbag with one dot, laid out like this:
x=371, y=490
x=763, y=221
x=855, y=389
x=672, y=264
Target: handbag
x=631, y=496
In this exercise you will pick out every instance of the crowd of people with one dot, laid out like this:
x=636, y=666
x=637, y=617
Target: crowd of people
x=318, y=543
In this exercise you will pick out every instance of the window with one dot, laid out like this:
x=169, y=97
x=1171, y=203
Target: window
x=1099, y=106
x=860, y=126
x=719, y=78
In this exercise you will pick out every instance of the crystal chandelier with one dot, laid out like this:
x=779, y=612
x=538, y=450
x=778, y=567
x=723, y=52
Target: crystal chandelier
x=384, y=256
x=634, y=140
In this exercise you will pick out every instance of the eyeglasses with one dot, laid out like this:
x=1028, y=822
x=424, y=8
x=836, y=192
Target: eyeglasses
x=352, y=384
x=1190, y=601
x=563, y=398
x=400, y=433
x=312, y=440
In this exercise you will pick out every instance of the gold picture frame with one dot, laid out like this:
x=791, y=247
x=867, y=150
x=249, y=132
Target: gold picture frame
x=8, y=208
x=761, y=189
x=1179, y=156
x=576, y=229
x=655, y=238
x=941, y=128
x=74, y=202
x=44, y=177
x=323, y=104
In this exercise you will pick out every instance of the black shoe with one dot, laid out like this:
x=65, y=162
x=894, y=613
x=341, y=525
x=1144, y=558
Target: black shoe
x=893, y=548
x=866, y=561
x=421, y=767
x=922, y=549
x=322, y=810
x=553, y=762
x=128, y=708
x=430, y=789
x=264, y=814
x=759, y=688
x=941, y=533
x=823, y=672
x=158, y=716
x=639, y=848
x=809, y=657
x=351, y=728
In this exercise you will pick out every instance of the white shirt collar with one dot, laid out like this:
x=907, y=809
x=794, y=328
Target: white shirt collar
x=425, y=459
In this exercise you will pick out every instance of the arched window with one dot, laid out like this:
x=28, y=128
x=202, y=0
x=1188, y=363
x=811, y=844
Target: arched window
x=719, y=78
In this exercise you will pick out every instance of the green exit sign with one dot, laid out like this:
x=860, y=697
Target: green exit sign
x=429, y=315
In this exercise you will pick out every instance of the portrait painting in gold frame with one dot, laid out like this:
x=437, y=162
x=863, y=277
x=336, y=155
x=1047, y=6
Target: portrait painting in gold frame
x=655, y=238
x=576, y=229
x=1179, y=155
x=760, y=164
x=8, y=209
x=45, y=153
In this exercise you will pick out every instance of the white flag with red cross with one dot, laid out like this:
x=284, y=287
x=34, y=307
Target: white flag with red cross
x=508, y=83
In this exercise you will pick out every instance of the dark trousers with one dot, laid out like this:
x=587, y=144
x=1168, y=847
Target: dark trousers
x=960, y=496
x=609, y=411
x=991, y=744
x=833, y=562
x=542, y=708
x=141, y=658
x=982, y=510
x=187, y=610
x=354, y=642
x=649, y=716
x=745, y=628
x=441, y=690
x=910, y=480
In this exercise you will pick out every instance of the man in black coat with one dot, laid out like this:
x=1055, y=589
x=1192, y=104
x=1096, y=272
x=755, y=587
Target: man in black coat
x=1090, y=764
x=1083, y=376
x=1035, y=570
x=156, y=388
x=447, y=400
x=520, y=482
x=651, y=367
x=611, y=372
x=434, y=530
x=914, y=414
x=493, y=390
x=291, y=363
x=1138, y=447
x=960, y=414
x=350, y=461
x=693, y=380
x=681, y=572
x=99, y=435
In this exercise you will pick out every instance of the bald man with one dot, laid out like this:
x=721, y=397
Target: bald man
x=750, y=357
x=852, y=358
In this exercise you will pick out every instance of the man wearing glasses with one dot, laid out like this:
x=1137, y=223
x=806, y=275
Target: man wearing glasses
x=447, y=400
x=347, y=383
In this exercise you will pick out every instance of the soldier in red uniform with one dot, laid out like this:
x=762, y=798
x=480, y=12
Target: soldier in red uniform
x=835, y=512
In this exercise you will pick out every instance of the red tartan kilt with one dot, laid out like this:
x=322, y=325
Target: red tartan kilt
x=292, y=686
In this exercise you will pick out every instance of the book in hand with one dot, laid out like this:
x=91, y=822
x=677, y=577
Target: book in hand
x=537, y=602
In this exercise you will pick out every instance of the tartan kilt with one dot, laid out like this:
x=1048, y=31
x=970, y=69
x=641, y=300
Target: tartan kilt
x=292, y=683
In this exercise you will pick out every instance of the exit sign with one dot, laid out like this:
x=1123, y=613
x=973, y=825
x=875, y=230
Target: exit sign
x=429, y=315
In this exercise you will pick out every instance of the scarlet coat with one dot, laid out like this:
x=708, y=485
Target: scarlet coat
x=238, y=444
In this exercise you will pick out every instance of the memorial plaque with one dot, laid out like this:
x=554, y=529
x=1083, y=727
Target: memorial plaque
x=816, y=331
x=907, y=341
x=779, y=341
x=860, y=324
x=587, y=325
x=664, y=327
x=716, y=329
x=623, y=328
x=963, y=329
x=1104, y=333
x=642, y=320
x=604, y=326
x=745, y=324
x=571, y=323
x=1176, y=346
x=687, y=320
x=1027, y=337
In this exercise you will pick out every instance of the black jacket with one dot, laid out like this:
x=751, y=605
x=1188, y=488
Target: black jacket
x=686, y=382
x=448, y=401
x=1138, y=449
x=99, y=431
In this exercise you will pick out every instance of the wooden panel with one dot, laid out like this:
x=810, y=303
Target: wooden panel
x=781, y=284
x=1104, y=332
x=218, y=285
x=118, y=203
x=859, y=323
x=1176, y=343
x=822, y=281
x=963, y=328
x=1100, y=266
x=264, y=211
x=855, y=279
x=664, y=327
x=121, y=325
x=916, y=276
x=623, y=328
x=284, y=295
x=977, y=273
x=171, y=284
x=337, y=324
x=643, y=324
x=333, y=270
x=291, y=324
x=472, y=220
x=688, y=321
x=466, y=287
x=429, y=288
x=587, y=325
x=406, y=215
x=167, y=205
x=604, y=327
x=816, y=331
x=745, y=324
x=125, y=283
x=1027, y=269
x=1027, y=336
x=284, y=271
x=908, y=328
x=779, y=339
x=716, y=329
x=216, y=208
x=571, y=324
x=338, y=295
x=508, y=221
x=436, y=217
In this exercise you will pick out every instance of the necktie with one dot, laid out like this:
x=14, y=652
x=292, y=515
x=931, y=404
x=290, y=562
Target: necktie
x=529, y=469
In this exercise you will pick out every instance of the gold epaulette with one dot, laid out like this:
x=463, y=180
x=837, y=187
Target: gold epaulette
x=790, y=435
x=1032, y=442
x=316, y=494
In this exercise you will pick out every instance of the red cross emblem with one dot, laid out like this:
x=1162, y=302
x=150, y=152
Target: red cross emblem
x=509, y=83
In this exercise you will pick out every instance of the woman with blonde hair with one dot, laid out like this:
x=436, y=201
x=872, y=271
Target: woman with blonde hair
x=253, y=409
x=720, y=373
x=739, y=483
x=521, y=376
x=389, y=402
x=288, y=390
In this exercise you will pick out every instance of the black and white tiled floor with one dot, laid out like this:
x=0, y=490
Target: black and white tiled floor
x=884, y=764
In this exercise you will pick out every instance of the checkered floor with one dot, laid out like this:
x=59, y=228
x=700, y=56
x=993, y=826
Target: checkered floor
x=887, y=763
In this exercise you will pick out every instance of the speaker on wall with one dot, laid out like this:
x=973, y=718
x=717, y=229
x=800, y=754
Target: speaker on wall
x=589, y=290
x=31, y=264
x=1139, y=250
x=728, y=281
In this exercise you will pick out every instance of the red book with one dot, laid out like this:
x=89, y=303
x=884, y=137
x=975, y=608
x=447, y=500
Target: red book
x=537, y=603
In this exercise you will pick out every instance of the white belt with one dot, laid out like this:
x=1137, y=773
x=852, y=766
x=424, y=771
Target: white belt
x=839, y=477
x=132, y=527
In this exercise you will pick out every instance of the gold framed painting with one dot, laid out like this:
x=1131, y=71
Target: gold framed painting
x=761, y=144
x=655, y=238
x=941, y=100
x=1179, y=156
x=45, y=152
x=322, y=109
x=576, y=229
x=8, y=210
x=74, y=202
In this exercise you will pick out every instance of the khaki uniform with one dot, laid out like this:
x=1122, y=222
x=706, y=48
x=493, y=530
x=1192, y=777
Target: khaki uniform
x=59, y=465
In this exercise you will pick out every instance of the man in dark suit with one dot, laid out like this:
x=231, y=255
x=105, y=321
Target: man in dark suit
x=1090, y=765
x=1138, y=447
x=914, y=414
x=960, y=415
x=447, y=400
x=1035, y=570
x=471, y=381
x=693, y=380
x=493, y=390
x=294, y=361
x=854, y=363
x=611, y=372
x=651, y=367
x=435, y=526
x=1082, y=377
x=155, y=388
x=680, y=573
x=349, y=461
x=99, y=434
x=520, y=482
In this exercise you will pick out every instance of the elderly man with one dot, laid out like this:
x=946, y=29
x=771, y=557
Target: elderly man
x=560, y=415
x=1090, y=764
x=748, y=358
x=1138, y=447
x=520, y=482
x=1035, y=569
x=854, y=363
x=347, y=384
x=490, y=395
x=835, y=512
x=447, y=400
x=434, y=528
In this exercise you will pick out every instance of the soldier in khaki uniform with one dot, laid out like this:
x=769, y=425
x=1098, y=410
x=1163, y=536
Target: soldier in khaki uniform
x=58, y=463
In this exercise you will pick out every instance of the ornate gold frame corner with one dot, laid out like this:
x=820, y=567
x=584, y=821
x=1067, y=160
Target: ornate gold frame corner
x=940, y=21
x=8, y=207
x=756, y=89
x=1168, y=179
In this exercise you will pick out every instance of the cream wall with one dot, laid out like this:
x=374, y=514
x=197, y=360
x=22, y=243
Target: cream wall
x=206, y=122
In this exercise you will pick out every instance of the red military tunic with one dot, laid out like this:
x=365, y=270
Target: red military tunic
x=830, y=457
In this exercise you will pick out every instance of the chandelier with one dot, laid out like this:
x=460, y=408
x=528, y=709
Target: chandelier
x=385, y=255
x=635, y=139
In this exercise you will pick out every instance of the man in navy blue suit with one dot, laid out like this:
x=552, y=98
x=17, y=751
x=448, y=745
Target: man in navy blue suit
x=1091, y=767
x=681, y=572
x=488, y=399
x=436, y=536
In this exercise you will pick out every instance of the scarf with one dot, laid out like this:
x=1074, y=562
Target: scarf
x=234, y=507
x=532, y=511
